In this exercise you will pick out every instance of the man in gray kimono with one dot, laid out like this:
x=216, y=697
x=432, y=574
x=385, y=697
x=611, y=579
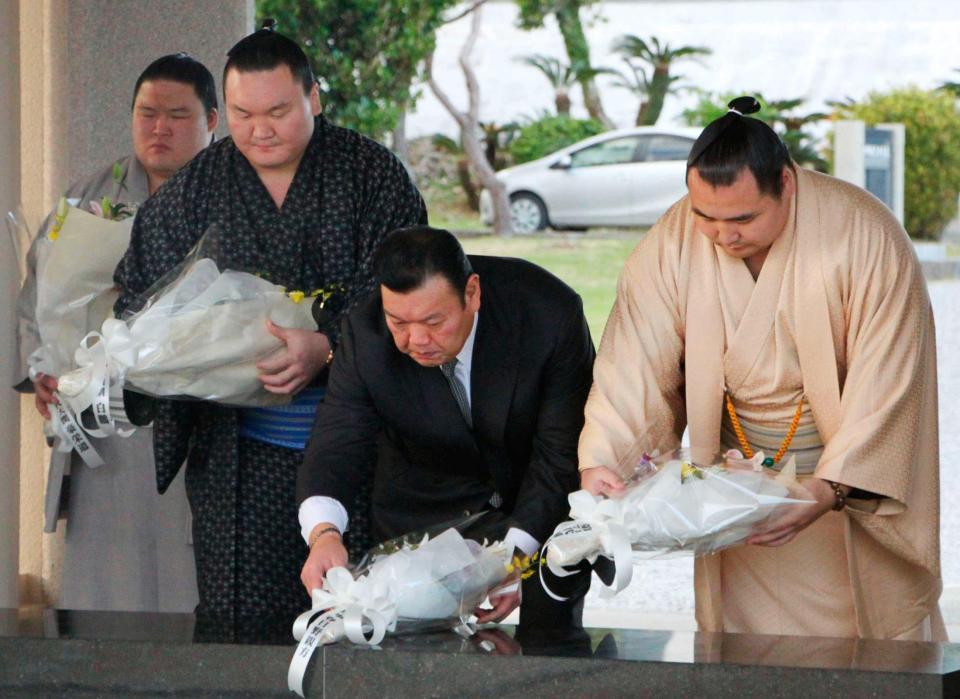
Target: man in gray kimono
x=126, y=547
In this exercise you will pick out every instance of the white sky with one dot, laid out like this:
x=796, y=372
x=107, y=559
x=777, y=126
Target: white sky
x=818, y=49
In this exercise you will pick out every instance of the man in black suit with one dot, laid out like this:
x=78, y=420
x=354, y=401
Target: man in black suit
x=447, y=406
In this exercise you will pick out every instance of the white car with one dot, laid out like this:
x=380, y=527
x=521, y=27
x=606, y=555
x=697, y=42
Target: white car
x=627, y=177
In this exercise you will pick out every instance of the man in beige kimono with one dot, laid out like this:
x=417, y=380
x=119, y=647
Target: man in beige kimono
x=789, y=293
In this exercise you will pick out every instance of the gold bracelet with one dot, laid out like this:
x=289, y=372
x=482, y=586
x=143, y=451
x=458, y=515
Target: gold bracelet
x=330, y=357
x=325, y=530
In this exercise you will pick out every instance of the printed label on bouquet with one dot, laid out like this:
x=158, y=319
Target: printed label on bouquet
x=101, y=407
x=106, y=412
x=69, y=430
x=328, y=628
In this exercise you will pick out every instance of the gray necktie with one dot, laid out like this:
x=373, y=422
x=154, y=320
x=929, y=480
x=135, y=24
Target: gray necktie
x=459, y=392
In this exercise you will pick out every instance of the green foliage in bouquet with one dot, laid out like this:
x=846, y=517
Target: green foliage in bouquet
x=546, y=135
x=932, y=152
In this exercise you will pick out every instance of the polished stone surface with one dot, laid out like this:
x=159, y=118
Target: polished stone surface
x=125, y=653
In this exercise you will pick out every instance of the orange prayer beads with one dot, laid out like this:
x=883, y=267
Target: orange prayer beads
x=741, y=437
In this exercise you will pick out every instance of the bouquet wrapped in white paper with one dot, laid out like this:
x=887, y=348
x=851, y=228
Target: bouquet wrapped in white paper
x=443, y=578
x=75, y=291
x=200, y=334
x=689, y=500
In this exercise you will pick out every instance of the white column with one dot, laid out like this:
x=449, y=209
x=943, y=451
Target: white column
x=9, y=279
x=849, y=138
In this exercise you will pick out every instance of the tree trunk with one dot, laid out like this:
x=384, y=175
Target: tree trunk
x=578, y=51
x=470, y=126
x=642, y=112
x=490, y=147
x=656, y=95
x=466, y=184
x=401, y=146
x=562, y=100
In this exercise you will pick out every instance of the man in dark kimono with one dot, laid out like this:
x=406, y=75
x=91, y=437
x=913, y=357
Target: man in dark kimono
x=304, y=204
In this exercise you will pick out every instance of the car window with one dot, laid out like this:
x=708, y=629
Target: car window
x=612, y=152
x=663, y=147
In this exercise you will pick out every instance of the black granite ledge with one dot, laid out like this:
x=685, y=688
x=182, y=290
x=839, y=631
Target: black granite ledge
x=92, y=654
x=55, y=667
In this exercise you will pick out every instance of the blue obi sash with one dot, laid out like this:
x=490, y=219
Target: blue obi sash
x=284, y=425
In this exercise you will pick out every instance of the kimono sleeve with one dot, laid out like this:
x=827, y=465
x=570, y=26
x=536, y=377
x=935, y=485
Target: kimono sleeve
x=390, y=200
x=165, y=229
x=636, y=402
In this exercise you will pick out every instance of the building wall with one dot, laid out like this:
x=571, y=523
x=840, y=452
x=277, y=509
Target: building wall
x=112, y=42
x=78, y=62
x=10, y=404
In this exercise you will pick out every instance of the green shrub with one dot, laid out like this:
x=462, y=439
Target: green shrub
x=932, y=152
x=546, y=135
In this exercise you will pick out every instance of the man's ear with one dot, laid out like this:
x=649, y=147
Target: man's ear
x=213, y=118
x=788, y=179
x=471, y=293
x=315, y=106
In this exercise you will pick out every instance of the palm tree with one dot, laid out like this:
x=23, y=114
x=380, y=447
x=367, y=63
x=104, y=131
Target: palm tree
x=562, y=77
x=495, y=137
x=653, y=82
x=800, y=143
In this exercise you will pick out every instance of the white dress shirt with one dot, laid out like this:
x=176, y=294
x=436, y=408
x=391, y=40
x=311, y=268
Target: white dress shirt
x=320, y=508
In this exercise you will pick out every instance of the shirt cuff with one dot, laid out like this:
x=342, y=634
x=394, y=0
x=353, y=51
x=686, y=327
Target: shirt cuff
x=320, y=508
x=517, y=538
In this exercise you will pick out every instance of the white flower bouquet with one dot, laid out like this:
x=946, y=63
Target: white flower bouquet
x=688, y=500
x=441, y=578
x=200, y=334
x=75, y=290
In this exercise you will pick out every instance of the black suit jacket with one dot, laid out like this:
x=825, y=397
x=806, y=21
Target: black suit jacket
x=387, y=419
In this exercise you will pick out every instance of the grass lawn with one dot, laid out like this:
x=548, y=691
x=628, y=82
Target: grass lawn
x=448, y=208
x=590, y=263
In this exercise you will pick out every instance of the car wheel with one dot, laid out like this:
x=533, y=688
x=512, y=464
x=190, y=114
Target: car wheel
x=527, y=213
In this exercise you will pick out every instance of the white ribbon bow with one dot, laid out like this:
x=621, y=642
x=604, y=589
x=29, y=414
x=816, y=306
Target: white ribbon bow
x=361, y=609
x=94, y=383
x=604, y=517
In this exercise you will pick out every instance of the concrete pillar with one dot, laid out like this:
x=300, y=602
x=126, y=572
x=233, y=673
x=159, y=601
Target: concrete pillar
x=79, y=61
x=10, y=403
x=112, y=42
x=848, y=151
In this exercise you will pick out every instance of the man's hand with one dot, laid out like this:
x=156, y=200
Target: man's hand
x=496, y=642
x=600, y=480
x=504, y=599
x=44, y=386
x=304, y=357
x=327, y=552
x=782, y=530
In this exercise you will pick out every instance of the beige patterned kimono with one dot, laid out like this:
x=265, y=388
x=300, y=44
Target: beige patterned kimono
x=839, y=315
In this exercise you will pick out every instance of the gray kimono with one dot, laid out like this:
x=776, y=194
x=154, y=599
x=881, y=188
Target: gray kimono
x=127, y=548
